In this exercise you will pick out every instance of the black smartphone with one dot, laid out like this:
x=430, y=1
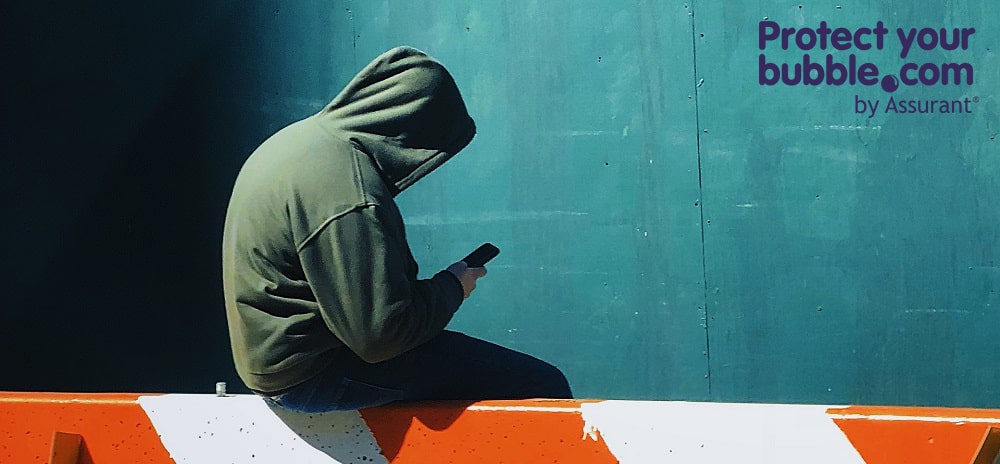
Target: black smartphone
x=482, y=255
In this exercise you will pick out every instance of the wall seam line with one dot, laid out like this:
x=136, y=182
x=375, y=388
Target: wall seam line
x=701, y=200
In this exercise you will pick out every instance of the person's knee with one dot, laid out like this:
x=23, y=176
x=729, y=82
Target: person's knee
x=553, y=383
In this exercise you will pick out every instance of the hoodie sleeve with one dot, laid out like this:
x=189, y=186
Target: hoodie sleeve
x=367, y=297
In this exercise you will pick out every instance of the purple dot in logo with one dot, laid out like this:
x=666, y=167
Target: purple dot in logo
x=890, y=83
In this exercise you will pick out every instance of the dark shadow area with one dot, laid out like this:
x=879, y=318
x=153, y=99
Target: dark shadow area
x=342, y=435
x=84, y=457
x=117, y=173
x=350, y=435
x=391, y=423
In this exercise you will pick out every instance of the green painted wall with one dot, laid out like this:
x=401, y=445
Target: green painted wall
x=865, y=265
x=643, y=186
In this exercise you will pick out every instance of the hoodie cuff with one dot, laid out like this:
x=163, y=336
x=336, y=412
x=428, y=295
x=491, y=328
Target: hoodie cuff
x=452, y=291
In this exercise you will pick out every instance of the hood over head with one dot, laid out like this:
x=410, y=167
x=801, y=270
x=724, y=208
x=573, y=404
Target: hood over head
x=406, y=112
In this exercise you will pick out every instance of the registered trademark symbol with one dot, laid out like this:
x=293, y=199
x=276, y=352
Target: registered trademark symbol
x=975, y=99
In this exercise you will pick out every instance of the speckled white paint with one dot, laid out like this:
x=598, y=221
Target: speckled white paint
x=691, y=433
x=240, y=429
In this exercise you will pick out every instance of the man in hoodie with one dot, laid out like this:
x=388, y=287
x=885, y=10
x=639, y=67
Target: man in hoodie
x=324, y=307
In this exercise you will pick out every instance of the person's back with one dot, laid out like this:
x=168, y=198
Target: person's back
x=318, y=277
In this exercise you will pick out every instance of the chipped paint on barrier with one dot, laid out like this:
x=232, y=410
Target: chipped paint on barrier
x=491, y=431
x=682, y=432
x=185, y=428
x=243, y=429
x=113, y=427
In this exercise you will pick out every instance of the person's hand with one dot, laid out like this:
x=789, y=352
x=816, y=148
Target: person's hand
x=467, y=276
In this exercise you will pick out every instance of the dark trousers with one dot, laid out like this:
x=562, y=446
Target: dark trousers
x=451, y=366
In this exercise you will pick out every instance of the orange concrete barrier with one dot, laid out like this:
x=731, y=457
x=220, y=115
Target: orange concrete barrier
x=113, y=428
x=122, y=428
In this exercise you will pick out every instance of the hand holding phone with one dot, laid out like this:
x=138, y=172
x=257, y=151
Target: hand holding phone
x=481, y=255
x=470, y=269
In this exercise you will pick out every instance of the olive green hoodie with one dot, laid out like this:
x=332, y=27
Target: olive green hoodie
x=315, y=256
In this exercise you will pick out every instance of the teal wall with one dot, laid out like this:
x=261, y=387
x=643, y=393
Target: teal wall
x=673, y=230
x=670, y=228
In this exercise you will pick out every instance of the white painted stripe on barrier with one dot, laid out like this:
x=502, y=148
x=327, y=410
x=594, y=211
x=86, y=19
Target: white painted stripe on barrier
x=683, y=432
x=204, y=429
